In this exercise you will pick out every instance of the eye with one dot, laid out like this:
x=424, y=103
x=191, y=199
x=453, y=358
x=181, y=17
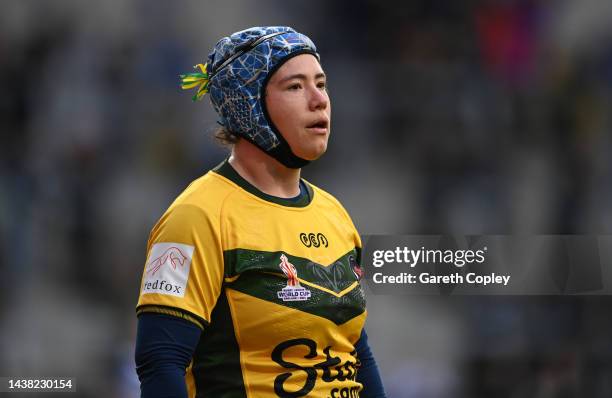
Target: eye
x=294, y=86
x=322, y=85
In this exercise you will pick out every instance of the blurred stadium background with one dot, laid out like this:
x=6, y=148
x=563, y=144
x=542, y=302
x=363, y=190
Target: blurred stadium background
x=465, y=117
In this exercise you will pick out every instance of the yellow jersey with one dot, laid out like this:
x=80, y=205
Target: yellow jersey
x=273, y=283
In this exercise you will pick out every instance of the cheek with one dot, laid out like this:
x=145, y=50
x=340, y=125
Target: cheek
x=279, y=111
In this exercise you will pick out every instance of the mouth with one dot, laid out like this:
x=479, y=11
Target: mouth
x=319, y=126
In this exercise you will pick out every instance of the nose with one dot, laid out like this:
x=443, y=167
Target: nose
x=318, y=100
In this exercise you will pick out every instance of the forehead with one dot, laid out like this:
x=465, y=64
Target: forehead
x=303, y=64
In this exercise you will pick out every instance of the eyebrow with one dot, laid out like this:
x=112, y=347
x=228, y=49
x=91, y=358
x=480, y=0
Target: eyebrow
x=300, y=76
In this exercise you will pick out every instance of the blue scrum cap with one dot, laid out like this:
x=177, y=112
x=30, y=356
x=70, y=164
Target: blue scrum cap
x=236, y=74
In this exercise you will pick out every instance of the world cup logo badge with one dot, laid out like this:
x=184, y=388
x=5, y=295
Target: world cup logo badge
x=293, y=291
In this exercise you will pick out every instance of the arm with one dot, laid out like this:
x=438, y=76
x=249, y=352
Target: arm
x=368, y=374
x=164, y=347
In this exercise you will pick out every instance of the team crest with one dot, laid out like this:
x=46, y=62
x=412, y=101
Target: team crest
x=293, y=291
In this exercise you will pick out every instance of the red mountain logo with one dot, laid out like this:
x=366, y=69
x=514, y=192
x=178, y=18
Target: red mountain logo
x=173, y=256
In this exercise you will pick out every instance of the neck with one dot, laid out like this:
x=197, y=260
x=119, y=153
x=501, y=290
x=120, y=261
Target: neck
x=264, y=172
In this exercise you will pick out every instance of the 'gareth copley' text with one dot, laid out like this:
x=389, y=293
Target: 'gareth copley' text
x=456, y=278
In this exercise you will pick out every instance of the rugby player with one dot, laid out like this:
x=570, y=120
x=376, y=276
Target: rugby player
x=251, y=286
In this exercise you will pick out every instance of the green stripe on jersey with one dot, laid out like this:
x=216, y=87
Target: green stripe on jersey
x=216, y=361
x=336, y=276
x=261, y=276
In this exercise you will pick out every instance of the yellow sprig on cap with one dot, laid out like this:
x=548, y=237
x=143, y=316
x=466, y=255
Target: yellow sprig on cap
x=200, y=79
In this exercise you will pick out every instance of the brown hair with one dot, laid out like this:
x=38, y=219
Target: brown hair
x=224, y=137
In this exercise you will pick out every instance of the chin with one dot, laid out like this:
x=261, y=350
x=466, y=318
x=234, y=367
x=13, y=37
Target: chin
x=313, y=155
x=310, y=148
x=313, y=152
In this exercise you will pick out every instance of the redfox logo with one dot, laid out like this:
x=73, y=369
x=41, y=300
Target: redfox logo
x=164, y=287
x=173, y=256
x=167, y=271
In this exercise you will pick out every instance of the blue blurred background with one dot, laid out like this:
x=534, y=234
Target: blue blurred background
x=462, y=117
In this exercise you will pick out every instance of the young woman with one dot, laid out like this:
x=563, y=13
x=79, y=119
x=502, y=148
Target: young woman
x=252, y=282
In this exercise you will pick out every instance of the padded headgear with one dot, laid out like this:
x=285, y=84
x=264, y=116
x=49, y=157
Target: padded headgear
x=238, y=70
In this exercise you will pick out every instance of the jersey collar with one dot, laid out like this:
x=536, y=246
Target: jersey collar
x=226, y=170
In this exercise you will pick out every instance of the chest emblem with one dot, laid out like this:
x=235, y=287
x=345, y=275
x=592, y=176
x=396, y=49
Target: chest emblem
x=312, y=240
x=293, y=291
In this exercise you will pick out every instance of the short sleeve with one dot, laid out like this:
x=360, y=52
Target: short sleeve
x=184, y=268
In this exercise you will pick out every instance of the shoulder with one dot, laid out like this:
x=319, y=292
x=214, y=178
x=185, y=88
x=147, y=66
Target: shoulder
x=325, y=196
x=200, y=204
x=206, y=192
x=329, y=204
x=329, y=200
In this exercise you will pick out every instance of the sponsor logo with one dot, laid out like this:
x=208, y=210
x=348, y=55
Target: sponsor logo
x=332, y=368
x=172, y=257
x=293, y=291
x=312, y=240
x=167, y=269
